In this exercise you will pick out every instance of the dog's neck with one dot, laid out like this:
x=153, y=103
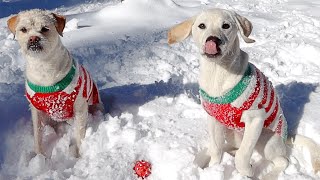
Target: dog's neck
x=49, y=71
x=216, y=79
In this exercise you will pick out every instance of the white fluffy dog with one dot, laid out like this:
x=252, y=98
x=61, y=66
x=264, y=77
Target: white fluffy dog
x=243, y=108
x=57, y=87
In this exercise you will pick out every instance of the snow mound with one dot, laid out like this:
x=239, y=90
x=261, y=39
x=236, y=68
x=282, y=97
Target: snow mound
x=151, y=91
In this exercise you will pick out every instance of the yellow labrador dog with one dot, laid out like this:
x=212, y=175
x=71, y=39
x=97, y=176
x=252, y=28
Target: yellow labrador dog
x=57, y=87
x=242, y=106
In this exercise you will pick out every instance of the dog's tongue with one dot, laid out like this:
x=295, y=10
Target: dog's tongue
x=210, y=47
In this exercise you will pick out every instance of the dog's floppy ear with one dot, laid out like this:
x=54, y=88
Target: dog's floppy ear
x=60, y=23
x=12, y=24
x=244, y=26
x=181, y=31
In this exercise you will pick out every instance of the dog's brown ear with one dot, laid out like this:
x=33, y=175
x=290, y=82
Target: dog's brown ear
x=245, y=27
x=60, y=23
x=181, y=31
x=12, y=24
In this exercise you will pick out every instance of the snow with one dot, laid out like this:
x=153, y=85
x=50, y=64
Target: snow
x=151, y=88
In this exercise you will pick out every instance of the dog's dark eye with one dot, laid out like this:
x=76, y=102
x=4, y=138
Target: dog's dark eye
x=202, y=26
x=24, y=30
x=44, y=29
x=225, y=26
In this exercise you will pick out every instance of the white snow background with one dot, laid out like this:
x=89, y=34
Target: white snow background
x=151, y=88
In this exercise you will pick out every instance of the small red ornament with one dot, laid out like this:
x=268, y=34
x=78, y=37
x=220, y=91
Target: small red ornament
x=142, y=169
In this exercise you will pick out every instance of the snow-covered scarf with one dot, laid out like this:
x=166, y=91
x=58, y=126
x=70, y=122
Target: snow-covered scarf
x=58, y=100
x=254, y=91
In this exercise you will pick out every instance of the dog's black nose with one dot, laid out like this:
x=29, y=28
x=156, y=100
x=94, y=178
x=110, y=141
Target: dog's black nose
x=34, y=39
x=214, y=39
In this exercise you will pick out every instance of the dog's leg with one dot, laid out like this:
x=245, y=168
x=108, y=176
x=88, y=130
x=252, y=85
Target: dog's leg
x=253, y=120
x=233, y=141
x=97, y=103
x=80, y=122
x=275, y=151
x=37, y=118
x=96, y=108
x=217, y=139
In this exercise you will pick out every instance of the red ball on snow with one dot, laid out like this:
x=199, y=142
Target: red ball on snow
x=142, y=169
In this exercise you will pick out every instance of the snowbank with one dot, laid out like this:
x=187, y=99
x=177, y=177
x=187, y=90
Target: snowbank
x=151, y=89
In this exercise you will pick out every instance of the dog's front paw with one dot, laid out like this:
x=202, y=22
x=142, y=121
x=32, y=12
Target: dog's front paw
x=243, y=165
x=202, y=159
x=38, y=150
x=74, y=151
x=215, y=156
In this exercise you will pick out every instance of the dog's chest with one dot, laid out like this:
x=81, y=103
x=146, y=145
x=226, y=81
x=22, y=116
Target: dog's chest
x=254, y=91
x=59, y=105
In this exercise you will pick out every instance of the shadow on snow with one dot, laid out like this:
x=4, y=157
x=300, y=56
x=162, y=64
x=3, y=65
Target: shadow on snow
x=14, y=106
x=293, y=97
x=131, y=97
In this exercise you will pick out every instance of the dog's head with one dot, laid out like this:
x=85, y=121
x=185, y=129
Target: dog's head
x=37, y=31
x=214, y=32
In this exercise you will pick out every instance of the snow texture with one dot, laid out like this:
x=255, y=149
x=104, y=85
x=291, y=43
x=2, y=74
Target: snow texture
x=151, y=91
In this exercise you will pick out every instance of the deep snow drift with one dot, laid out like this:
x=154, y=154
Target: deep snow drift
x=151, y=89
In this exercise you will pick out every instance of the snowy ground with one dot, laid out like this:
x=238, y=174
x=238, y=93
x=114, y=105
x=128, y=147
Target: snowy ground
x=151, y=88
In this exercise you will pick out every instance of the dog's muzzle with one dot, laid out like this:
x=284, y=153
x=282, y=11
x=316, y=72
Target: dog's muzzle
x=34, y=44
x=211, y=47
